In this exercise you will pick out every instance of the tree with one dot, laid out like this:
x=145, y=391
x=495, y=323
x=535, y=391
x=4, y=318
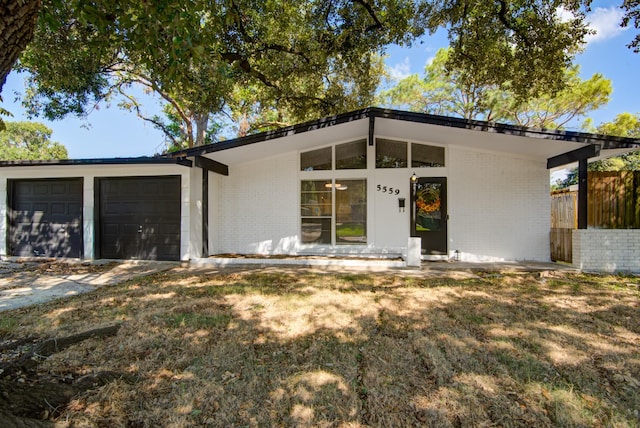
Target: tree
x=250, y=112
x=632, y=9
x=308, y=59
x=442, y=92
x=17, y=24
x=29, y=141
x=291, y=49
x=623, y=125
x=446, y=92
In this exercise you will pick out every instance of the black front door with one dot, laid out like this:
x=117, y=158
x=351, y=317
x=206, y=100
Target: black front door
x=430, y=214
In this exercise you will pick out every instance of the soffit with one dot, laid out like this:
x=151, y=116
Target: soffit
x=493, y=141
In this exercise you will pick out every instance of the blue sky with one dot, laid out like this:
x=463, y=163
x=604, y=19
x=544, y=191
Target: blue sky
x=111, y=132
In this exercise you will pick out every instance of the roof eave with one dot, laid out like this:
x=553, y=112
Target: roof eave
x=101, y=161
x=604, y=141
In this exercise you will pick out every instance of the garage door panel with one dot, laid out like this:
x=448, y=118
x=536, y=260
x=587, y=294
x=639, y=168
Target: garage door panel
x=40, y=189
x=59, y=189
x=45, y=217
x=75, y=209
x=169, y=228
x=140, y=207
x=59, y=208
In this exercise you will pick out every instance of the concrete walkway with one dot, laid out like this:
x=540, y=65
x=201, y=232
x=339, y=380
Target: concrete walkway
x=22, y=285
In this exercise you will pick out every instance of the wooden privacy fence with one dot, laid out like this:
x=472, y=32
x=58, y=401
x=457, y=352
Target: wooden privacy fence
x=613, y=203
x=613, y=199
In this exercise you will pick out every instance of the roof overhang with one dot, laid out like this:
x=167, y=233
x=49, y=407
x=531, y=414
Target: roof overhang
x=103, y=161
x=540, y=144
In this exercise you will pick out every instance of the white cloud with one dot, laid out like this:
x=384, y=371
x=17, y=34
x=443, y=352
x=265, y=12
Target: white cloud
x=605, y=23
x=400, y=70
x=564, y=15
x=429, y=61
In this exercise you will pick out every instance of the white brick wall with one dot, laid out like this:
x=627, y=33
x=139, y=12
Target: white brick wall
x=256, y=208
x=607, y=250
x=498, y=206
x=193, y=188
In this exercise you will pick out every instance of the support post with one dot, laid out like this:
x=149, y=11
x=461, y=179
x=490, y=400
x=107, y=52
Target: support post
x=372, y=126
x=412, y=205
x=205, y=213
x=582, y=194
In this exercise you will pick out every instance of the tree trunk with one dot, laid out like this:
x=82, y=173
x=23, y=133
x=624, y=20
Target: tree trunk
x=49, y=347
x=27, y=400
x=18, y=20
x=202, y=122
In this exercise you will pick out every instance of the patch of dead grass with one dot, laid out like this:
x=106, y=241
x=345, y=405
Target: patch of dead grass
x=306, y=349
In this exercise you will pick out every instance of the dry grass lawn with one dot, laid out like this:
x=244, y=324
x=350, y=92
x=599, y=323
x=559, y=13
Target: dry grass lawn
x=297, y=348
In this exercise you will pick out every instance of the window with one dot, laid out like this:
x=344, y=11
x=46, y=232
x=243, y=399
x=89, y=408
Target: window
x=316, y=210
x=351, y=212
x=316, y=160
x=391, y=154
x=423, y=155
x=318, y=216
x=352, y=155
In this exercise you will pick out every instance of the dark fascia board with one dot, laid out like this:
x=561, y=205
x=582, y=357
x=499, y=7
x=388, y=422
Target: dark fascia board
x=278, y=133
x=605, y=142
x=211, y=165
x=106, y=161
x=586, y=152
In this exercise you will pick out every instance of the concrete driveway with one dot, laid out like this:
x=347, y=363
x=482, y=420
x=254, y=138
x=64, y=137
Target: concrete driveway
x=24, y=283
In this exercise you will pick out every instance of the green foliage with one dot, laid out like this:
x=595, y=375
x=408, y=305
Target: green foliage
x=307, y=59
x=3, y=112
x=554, y=111
x=632, y=15
x=523, y=42
x=29, y=141
x=442, y=91
x=447, y=92
x=298, y=59
x=623, y=125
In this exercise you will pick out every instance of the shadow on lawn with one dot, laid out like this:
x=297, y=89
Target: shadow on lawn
x=318, y=350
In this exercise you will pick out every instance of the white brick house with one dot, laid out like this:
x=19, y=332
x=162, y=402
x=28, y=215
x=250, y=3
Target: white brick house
x=339, y=185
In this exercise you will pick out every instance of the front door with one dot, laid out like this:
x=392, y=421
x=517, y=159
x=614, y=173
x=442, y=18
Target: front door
x=430, y=214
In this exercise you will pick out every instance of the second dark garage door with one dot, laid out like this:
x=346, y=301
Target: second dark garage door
x=138, y=217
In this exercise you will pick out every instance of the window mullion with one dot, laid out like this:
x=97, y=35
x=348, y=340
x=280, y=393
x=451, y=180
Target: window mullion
x=334, y=212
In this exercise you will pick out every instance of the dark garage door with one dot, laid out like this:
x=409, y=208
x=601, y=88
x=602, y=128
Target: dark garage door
x=139, y=218
x=45, y=217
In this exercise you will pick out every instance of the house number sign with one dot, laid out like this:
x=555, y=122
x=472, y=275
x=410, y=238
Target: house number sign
x=389, y=190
